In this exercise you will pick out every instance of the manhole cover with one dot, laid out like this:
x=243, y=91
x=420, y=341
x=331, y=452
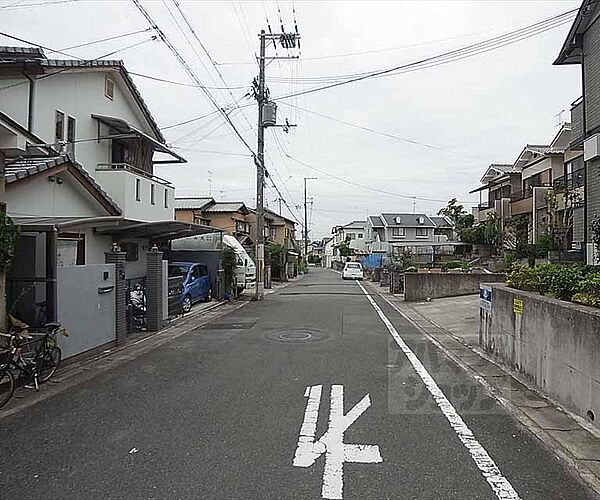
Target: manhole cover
x=298, y=335
x=295, y=336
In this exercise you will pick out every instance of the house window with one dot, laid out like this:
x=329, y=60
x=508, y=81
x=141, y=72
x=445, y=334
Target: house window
x=109, y=88
x=166, y=193
x=241, y=227
x=138, y=190
x=59, y=126
x=398, y=232
x=422, y=232
x=360, y=235
x=351, y=236
x=152, y=194
x=272, y=232
x=71, y=135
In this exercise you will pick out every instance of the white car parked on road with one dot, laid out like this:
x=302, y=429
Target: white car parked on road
x=352, y=271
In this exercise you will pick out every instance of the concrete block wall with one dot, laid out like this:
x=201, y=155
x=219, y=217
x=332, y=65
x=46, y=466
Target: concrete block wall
x=420, y=286
x=553, y=343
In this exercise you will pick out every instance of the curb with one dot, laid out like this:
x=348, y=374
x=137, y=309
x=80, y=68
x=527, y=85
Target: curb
x=82, y=371
x=582, y=466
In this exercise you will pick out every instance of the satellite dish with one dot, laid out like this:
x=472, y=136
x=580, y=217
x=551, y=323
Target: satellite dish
x=398, y=220
x=421, y=220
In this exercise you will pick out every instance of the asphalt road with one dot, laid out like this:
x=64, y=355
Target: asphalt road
x=217, y=414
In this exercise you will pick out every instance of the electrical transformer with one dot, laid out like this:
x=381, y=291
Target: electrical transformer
x=269, y=114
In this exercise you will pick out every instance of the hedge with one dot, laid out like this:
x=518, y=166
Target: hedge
x=574, y=283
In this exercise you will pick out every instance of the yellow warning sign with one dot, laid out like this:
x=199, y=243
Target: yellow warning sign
x=518, y=306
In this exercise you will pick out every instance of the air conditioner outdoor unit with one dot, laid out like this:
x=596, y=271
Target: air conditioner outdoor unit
x=591, y=147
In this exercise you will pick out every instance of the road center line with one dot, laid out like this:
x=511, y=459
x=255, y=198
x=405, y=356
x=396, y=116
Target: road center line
x=490, y=471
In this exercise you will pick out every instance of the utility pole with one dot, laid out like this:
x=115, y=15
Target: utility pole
x=260, y=174
x=306, y=217
x=288, y=41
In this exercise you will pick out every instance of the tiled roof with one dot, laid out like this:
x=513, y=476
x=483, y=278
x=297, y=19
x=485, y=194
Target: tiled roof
x=192, y=203
x=505, y=168
x=375, y=221
x=538, y=148
x=442, y=222
x=227, y=206
x=407, y=220
x=22, y=168
x=355, y=224
x=18, y=55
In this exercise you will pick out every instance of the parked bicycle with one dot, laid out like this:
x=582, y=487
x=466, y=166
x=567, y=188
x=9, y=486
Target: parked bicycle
x=31, y=359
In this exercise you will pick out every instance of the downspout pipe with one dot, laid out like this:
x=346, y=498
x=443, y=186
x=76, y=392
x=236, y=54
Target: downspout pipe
x=30, y=102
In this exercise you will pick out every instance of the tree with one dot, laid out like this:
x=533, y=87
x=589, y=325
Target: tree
x=229, y=263
x=277, y=253
x=560, y=219
x=458, y=215
x=345, y=250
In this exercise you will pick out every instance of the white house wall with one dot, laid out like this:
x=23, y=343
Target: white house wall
x=545, y=164
x=39, y=197
x=121, y=184
x=14, y=100
x=78, y=95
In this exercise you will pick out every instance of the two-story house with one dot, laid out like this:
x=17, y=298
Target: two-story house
x=582, y=47
x=409, y=231
x=98, y=194
x=523, y=188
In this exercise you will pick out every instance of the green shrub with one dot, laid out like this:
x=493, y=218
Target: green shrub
x=588, y=290
x=456, y=264
x=554, y=280
x=522, y=278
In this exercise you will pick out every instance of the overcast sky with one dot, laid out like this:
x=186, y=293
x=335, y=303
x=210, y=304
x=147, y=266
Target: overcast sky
x=476, y=111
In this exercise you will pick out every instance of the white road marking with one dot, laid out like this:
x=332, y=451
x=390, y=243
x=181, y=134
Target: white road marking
x=490, y=471
x=332, y=442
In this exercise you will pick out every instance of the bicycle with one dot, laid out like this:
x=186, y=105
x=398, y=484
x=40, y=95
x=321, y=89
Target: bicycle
x=33, y=360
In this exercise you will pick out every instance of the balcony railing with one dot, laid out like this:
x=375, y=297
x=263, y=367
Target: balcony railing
x=134, y=170
x=527, y=193
x=570, y=181
x=485, y=205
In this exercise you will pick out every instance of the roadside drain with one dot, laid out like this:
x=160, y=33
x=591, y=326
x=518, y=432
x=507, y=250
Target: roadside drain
x=297, y=335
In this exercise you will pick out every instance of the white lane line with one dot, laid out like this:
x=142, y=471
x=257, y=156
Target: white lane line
x=490, y=471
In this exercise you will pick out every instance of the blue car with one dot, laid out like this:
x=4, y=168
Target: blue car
x=196, y=282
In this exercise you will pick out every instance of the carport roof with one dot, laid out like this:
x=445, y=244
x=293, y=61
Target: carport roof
x=117, y=226
x=156, y=230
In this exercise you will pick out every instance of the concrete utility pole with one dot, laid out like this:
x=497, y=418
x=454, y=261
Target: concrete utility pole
x=306, y=218
x=287, y=41
x=260, y=174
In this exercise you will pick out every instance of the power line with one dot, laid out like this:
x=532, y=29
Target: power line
x=363, y=186
x=190, y=72
x=17, y=5
x=183, y=84
x=378, y=132
x=108, y=39
x=454, y=55
x=82, y=62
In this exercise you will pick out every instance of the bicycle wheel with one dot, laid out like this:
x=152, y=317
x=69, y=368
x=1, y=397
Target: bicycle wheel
x=7, y=386
x=49, y=364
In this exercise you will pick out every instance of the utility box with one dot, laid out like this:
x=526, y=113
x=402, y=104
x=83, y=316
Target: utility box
x=269, y=114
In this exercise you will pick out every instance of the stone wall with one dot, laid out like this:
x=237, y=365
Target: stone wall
x=420, y=286
x=553, y=343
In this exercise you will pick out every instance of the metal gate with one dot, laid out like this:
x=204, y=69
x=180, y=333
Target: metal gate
x=135, y=296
